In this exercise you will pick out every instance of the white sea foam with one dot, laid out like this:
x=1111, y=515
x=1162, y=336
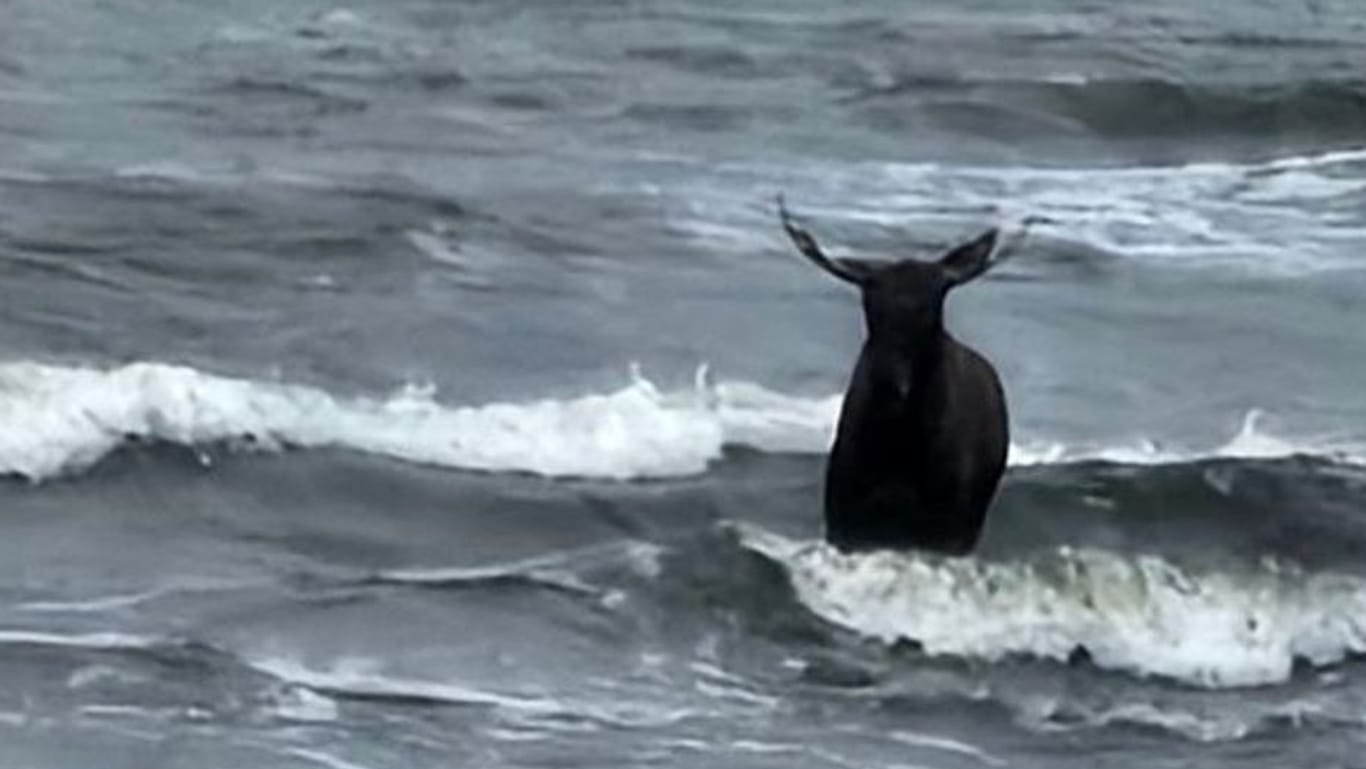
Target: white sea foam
x=1200, y=719
x=323, y=758
x=1135, y=613
x=62, y=419
x=559, y=570
x=366, y=678
x=93, y=641
x=299, y=703
x=1287, y=216
x=359, y=677
x=1252, y=441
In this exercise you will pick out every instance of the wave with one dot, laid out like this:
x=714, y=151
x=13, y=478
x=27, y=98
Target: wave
x=101, y=641
x=561, y=571
x=1209, y=722
x=1141, y=107
x=63, y=419
x=1250, y=442
x=1155, y=107
x=363, y=679
x=1288, y=216
x=1134, y=613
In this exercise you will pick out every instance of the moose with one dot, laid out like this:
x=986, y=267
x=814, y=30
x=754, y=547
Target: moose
x=922, y=436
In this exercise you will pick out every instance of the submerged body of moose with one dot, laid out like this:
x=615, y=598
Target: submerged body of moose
x=923, y=436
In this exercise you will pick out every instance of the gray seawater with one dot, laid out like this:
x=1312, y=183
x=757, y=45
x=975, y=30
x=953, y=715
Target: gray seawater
x=428, y=383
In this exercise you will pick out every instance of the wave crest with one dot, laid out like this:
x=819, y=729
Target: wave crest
x=1136, y=613
x=63, y=419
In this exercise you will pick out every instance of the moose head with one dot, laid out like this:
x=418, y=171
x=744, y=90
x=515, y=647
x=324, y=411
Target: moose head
x=903, y=300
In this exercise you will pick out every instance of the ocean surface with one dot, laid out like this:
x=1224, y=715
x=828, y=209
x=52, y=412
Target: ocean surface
x=429, y=384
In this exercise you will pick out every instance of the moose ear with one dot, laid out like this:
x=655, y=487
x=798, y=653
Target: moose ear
x=970, y=259
x=861, y=270
x=856, y=271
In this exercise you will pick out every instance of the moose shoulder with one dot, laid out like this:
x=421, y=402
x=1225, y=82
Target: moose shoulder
x=922, y=437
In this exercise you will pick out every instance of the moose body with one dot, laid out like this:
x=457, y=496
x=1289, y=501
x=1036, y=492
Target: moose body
x=922, y=437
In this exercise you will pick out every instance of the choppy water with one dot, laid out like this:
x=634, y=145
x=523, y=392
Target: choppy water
x=428, y=384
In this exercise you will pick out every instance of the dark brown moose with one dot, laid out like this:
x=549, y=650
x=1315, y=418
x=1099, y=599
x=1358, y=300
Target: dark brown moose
x=922, y=437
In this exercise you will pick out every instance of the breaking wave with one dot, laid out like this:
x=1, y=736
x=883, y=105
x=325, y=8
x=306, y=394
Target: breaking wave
x=63, y=419
x=1135, y=613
